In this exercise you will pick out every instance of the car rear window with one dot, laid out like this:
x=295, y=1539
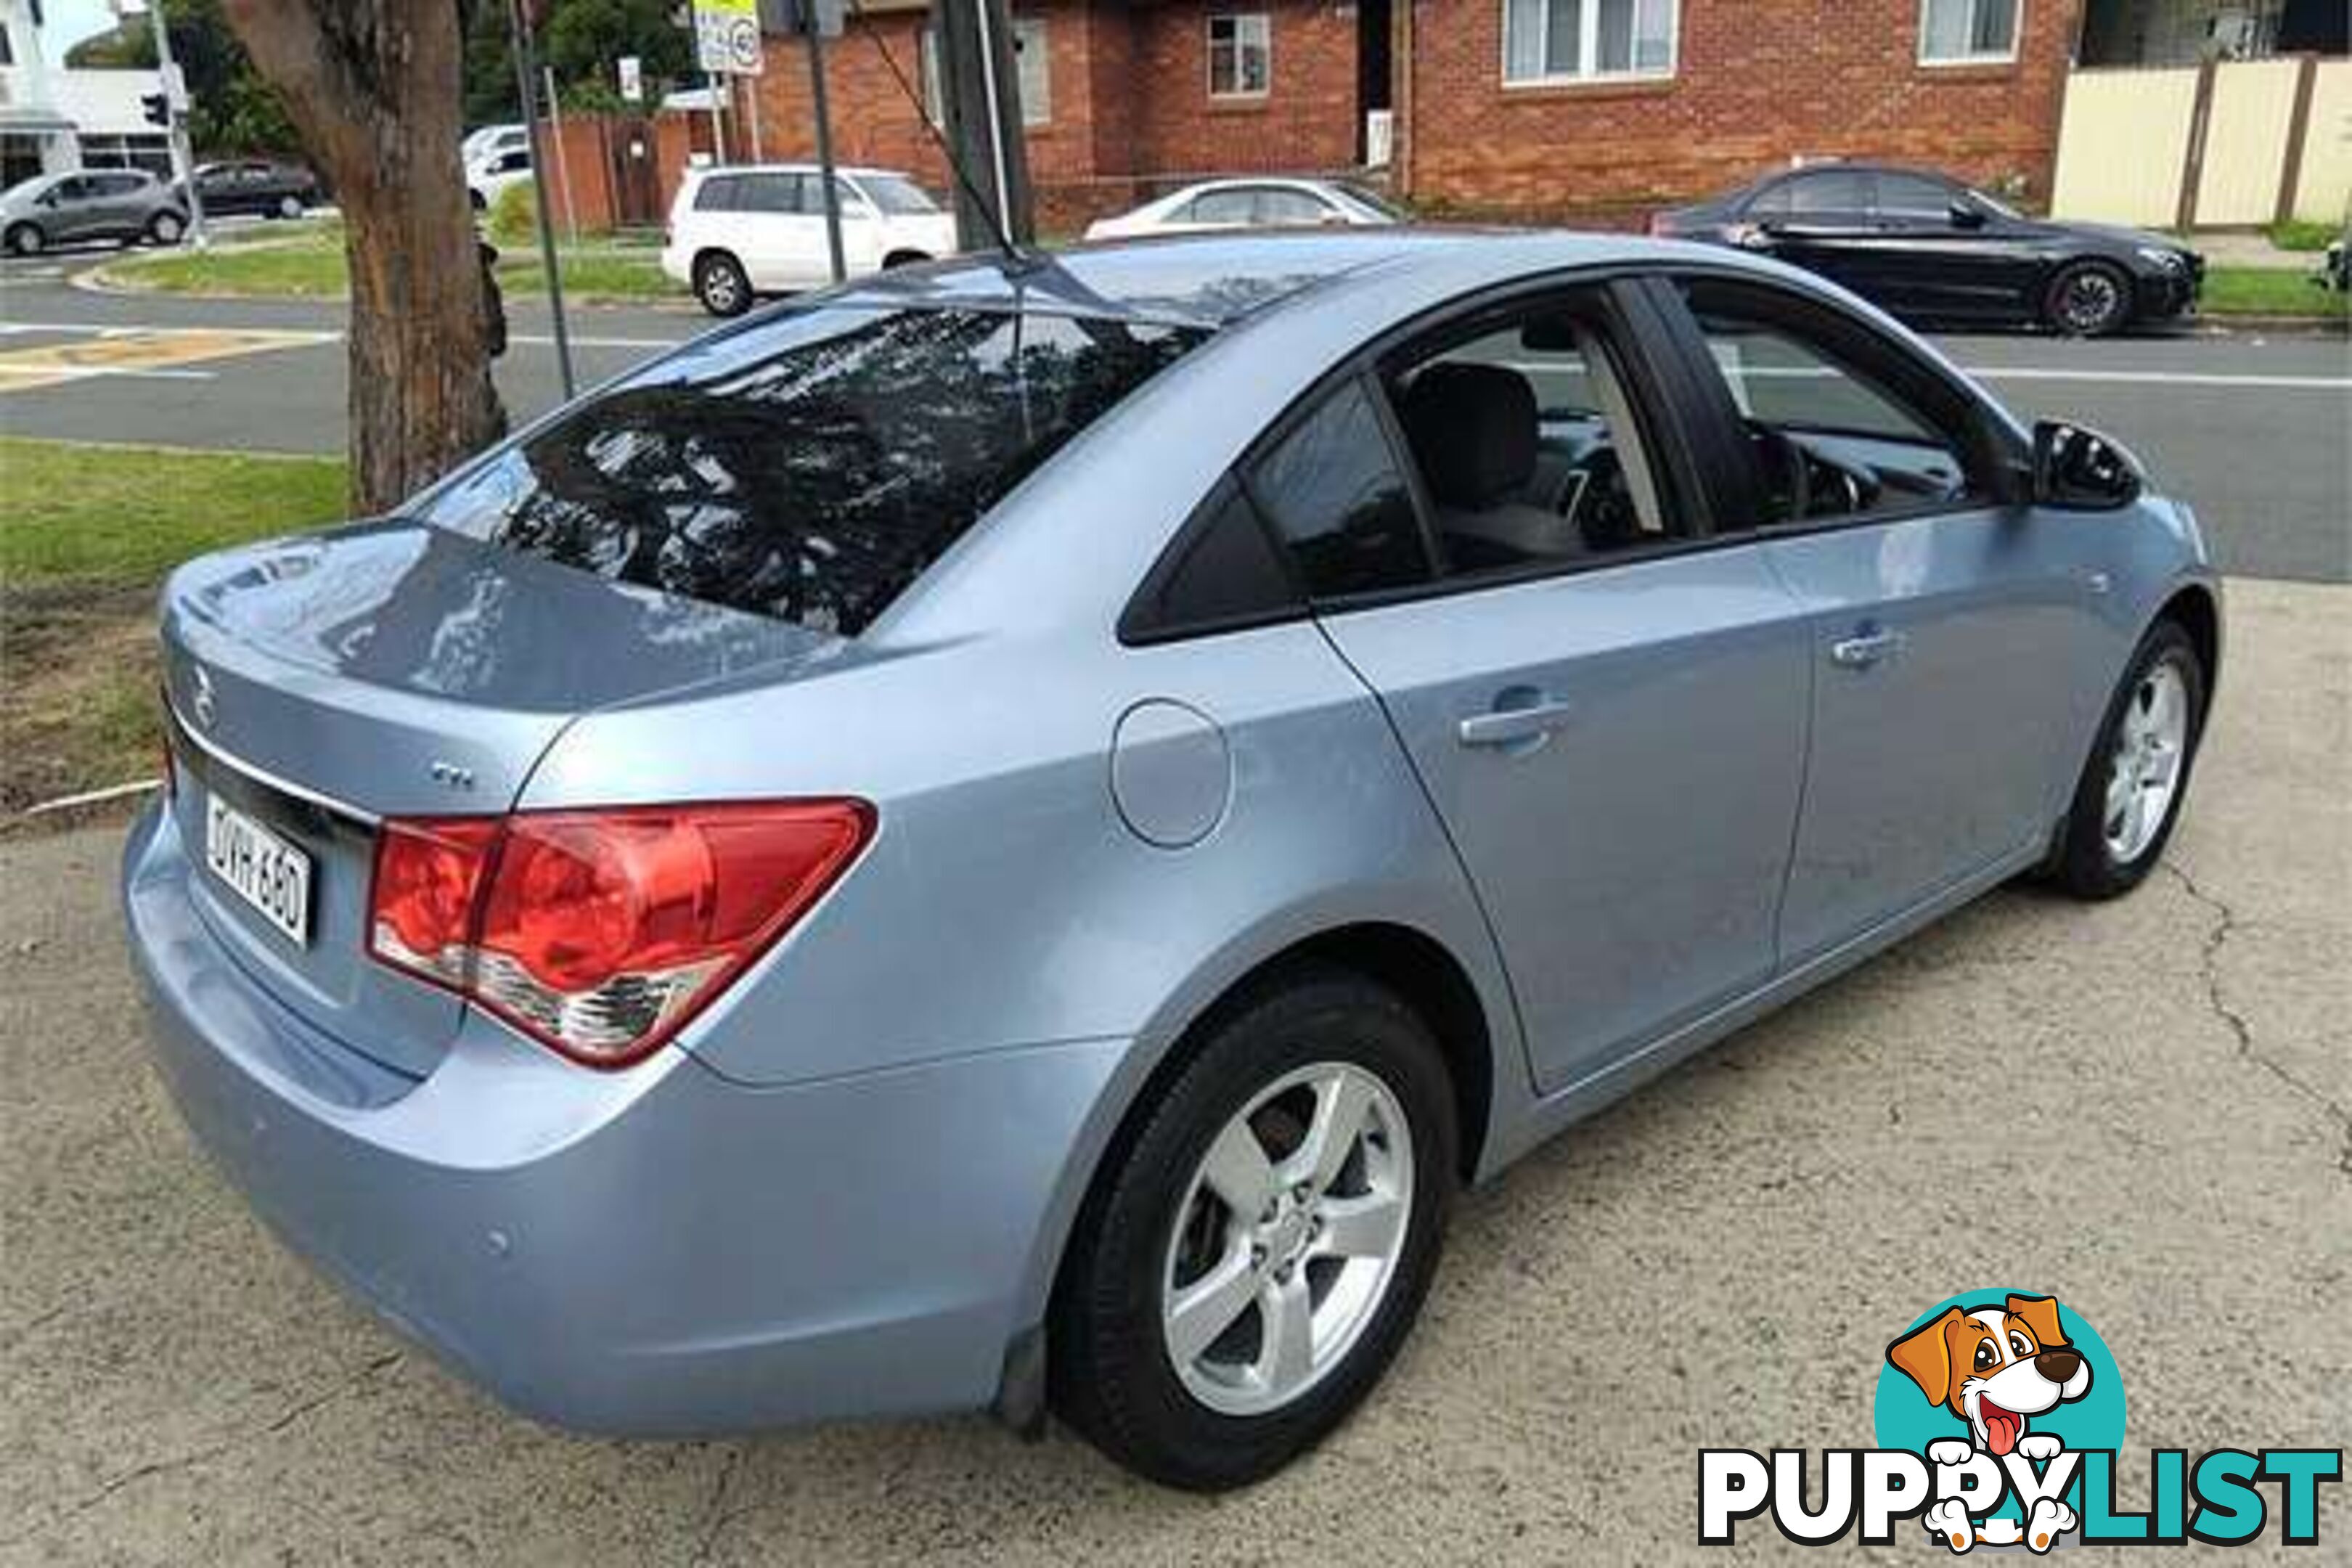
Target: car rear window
x=810, y=468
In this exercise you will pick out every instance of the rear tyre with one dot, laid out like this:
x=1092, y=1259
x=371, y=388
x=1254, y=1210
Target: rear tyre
x=165, y=229
x=1259, y=1239
x=720, y=285
x=27, y=239
x=2130, y=793
x=2088, y=299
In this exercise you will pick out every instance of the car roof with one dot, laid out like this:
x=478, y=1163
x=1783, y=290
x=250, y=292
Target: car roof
x=1215, y=279
x=807, y=167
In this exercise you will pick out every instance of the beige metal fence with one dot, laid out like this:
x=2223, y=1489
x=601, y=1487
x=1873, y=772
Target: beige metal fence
x=2228, y=143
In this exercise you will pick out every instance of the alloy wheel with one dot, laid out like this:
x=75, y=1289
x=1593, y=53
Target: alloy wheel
x=1288, y=1238
x=2089, y=299
x=2144, y=771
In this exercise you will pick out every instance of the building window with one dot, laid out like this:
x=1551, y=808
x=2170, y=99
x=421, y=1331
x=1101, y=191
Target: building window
x=1031, y=57
x=150, y=153
x=1966, y=32
x=1241, y=55
x=1587, y=40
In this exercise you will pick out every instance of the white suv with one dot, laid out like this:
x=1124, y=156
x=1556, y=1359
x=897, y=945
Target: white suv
x=742, y=230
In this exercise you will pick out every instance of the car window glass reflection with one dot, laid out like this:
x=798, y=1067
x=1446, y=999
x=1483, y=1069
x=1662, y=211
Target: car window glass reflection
x=814, y=471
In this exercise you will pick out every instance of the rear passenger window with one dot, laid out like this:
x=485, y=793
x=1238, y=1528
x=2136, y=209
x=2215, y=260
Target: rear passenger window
x=718, y=195
x=1333, y=491
x=1222, y=574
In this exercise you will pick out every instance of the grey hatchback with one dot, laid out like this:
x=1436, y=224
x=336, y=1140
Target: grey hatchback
x=1008, y=835
x=122, y=205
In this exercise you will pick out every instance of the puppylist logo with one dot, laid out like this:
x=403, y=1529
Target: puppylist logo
x=2000, y=1417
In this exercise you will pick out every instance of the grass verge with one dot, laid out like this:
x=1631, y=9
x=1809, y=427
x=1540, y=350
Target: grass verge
x=2269, y=291
x=2303, y=234
x=90, y=532
x=309, y=265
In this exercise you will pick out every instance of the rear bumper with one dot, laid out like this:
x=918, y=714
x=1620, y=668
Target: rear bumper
x=659, y=1251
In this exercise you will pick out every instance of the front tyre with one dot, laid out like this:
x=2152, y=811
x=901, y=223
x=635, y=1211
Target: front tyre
x=2088, y=299
x=1257, y=1245
x=2130, y=793
x=720, y=283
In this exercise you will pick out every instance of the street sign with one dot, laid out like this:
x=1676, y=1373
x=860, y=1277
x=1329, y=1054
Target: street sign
x=727, y=36
x=633, y=77
x=791, y=18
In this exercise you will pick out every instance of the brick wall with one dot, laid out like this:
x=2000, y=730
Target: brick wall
x=1306, y=120
x=1757, y=82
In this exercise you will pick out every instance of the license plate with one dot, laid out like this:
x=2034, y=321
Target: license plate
x=260, y=867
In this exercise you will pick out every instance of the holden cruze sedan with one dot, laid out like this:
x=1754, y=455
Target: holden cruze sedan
x=1009, y=835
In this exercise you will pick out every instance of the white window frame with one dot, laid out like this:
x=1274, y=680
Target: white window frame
x=1244, y=22
x=1588, y=47
x=2009, y=57
x=1025, y=31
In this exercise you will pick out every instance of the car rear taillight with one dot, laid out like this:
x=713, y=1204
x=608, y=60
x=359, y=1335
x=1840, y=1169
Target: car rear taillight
x=599, y=933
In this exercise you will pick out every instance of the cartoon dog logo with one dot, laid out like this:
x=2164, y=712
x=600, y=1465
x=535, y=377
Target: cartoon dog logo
x=1995, y=1368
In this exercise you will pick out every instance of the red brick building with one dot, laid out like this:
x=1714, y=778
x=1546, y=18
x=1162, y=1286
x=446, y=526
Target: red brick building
x=1586, y=109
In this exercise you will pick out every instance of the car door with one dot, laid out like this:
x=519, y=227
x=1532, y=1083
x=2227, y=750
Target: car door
x=782, y=220
x=1945, y=619
x=1940, y=257
x=1827, y=226
x=75, y=208
x=1609, y=719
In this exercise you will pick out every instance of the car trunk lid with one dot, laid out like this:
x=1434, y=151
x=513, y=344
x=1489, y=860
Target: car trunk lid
x=318, y=685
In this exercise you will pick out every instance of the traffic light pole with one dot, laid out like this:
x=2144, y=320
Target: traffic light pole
x=183, y=169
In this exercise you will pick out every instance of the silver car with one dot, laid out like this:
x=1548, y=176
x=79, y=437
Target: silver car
x=119, y=205
x=1008, y=836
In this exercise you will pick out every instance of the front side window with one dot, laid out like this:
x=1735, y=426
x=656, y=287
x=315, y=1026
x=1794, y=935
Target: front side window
x=811, y=470
x=1584, y=40
x=1281, y=205
x=1844, y=191
x=1835, y=434
x=1958, y=32
x=1241, y=55
x=1236, y=204
x=1333, y=491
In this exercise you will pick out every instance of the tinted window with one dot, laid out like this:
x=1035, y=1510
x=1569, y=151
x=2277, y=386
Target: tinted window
x=813, y=469
x=1840, y=191
x=1333, y=491
x=1221, y=572
x=776, y=194
x=717, y=194
x=1914, y=195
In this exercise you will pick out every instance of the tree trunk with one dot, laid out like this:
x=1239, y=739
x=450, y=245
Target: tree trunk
x=373, y=90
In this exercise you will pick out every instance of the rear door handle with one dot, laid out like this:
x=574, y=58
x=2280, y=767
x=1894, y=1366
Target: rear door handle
x=1866, y=647
x=1512, y=726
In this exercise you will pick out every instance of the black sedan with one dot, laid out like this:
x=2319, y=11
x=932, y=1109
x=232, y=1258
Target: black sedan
x=256, y=185
x=1932, y=249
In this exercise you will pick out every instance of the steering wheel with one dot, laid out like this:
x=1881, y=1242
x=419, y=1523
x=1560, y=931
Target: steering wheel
x=1781, y=452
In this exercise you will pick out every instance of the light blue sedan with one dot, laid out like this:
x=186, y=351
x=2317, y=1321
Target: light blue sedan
x=1008, y=836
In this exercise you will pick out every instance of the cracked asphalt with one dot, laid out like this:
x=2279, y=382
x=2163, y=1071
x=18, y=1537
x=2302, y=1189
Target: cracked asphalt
x=2140, y=1106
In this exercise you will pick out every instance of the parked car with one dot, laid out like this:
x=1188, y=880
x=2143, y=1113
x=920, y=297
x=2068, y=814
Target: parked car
x=485, y=140
x=738, y=231
x=1932, y=249
x=1252, y=204
x=487, y=176
x=122, y=204
x=256, y=185
x=2332, y=272
x=1007, y=836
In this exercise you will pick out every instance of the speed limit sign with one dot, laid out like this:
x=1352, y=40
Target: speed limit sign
x=727, y=36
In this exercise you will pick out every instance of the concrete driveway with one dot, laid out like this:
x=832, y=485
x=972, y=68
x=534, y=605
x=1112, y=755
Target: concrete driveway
x=2140, y=1106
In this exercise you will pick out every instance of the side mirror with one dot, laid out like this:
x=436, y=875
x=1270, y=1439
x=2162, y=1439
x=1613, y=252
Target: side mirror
x=2082, y=470
x=1967, y=215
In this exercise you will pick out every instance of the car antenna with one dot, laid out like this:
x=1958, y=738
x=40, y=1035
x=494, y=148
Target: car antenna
x=1016, y=259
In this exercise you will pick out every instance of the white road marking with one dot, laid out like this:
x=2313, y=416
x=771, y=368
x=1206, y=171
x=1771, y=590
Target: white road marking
x=2160, y=377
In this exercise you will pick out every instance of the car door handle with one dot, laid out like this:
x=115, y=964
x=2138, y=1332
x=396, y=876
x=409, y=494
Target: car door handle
x=1514, y=725
x=1866, y=647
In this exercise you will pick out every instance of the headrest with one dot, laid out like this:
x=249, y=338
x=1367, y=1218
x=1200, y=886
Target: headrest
x=1472, y=428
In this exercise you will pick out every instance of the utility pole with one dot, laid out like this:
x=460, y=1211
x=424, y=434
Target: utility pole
x=563, y=162
x=979, y=93
x=812, y=29
x=520, y=15
x=176, y=97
